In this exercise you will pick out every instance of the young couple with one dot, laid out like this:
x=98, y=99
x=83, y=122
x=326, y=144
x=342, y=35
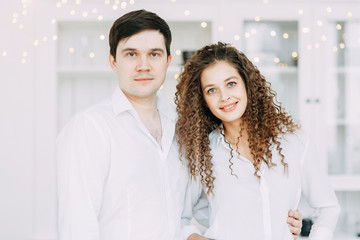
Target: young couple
x=244, y=162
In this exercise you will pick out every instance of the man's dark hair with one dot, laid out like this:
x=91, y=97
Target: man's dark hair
x=135, y=22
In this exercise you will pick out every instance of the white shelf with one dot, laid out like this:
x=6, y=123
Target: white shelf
x=347, y=69
x=278, y=69
x=345, y=182
x=344, y=122
x=83, y=69
x=102, y=69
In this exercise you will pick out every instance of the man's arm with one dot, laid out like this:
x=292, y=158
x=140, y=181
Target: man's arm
x=195, y=206
x=80, y=150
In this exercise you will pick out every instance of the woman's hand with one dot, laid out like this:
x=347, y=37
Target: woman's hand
x=195, y=236
x=295, y=221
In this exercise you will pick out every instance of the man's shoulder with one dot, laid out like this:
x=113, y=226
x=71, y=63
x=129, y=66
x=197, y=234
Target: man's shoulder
x=97, y=111
x=91, y=117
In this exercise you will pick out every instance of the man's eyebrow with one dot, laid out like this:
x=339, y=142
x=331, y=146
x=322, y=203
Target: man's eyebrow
x=157, y=50
x=151, y=50
x=128, y=50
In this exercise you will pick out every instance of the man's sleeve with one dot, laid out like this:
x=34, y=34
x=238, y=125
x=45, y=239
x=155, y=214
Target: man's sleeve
x=82, y=154
x=195, y=206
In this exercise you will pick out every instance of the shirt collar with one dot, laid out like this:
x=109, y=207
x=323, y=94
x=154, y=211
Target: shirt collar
x=166, y=108
x=217, y=136
x=121, y=104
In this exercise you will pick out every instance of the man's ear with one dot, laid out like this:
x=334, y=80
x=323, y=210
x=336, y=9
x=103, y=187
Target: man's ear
x=168, y=60
x=112, y=62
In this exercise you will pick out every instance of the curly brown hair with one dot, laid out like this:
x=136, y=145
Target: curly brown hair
x=264, y=117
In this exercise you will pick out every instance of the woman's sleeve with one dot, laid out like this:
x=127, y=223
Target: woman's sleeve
x=319, y=194
x=195, y=206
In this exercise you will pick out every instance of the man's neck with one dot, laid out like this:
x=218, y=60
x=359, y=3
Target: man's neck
x=144, y=106
x=149, y=114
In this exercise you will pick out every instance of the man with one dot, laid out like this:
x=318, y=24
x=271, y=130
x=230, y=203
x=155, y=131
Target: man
x=118, y=167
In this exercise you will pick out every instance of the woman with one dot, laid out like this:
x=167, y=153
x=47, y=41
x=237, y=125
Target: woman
x=245, y=152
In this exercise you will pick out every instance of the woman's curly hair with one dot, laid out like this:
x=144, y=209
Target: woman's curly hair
x=265, y=119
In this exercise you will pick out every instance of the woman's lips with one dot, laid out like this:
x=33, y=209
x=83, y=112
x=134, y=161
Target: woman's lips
x=229, y=107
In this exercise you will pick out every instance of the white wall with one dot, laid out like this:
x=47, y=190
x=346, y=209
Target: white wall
x=17, y=132
x=27, y=176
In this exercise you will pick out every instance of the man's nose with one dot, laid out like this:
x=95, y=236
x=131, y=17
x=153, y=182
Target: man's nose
x=143, y=64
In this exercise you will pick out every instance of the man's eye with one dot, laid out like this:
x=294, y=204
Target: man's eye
x=131, y=54
x=154, y=54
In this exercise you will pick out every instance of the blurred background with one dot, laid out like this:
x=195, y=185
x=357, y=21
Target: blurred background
x=54, y=62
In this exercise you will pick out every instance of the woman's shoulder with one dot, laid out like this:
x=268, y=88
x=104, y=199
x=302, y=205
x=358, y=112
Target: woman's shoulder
x=216, y=133
x=299, y=136
x=215, y=137
x=295, y=144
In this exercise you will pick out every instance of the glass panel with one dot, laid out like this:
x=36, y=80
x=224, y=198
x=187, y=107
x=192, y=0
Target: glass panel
x=348, y=225
x=84, y=76
x=83, y=43
x=273, y=47
x=76, y=92
x=188, y=37
x=343, y=97
x=349, y=220
x=344, y=149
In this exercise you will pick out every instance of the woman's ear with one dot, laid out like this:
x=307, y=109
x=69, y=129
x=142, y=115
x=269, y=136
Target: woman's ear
x=206, y=104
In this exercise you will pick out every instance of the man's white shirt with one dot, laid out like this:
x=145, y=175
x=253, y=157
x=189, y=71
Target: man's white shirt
x=114, y=180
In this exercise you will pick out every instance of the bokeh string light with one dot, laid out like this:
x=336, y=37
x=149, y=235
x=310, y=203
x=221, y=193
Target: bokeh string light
x=78, y=8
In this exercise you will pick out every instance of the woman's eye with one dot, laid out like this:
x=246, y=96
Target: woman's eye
x=131, y=54
x=154, y=54
x=211, y=90
x=231, y=84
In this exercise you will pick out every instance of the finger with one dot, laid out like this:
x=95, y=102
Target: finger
x=294, y=230
x=294, y=223
x=295, y=214
x=295, y=236
x=291, y=213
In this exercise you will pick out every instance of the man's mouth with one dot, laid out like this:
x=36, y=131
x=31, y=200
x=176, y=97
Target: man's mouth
x=143, y=79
